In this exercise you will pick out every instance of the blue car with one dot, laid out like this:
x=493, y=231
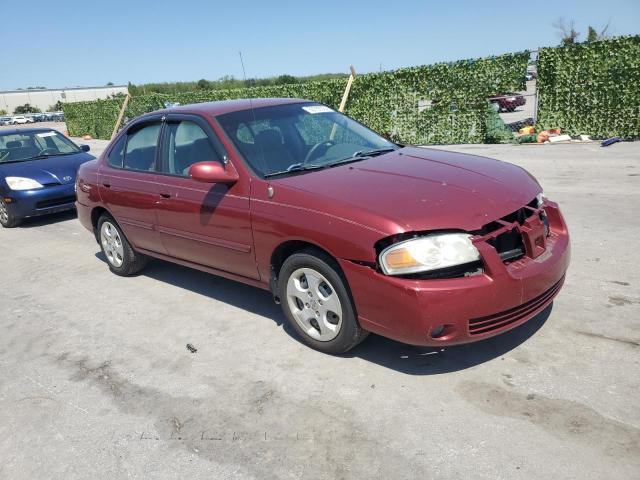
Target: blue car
x=38, y=169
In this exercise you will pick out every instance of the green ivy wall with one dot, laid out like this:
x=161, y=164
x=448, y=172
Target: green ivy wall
x=441, y=103
x=591, y=88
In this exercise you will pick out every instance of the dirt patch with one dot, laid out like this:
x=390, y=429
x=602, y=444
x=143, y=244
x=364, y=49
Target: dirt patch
x=606, y=337
x=320, y=436
x=565, y=419
x=621, y=300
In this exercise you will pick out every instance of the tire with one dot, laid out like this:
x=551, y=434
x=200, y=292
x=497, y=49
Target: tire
x=122, y=259
x=317, y=303
x=8, y=219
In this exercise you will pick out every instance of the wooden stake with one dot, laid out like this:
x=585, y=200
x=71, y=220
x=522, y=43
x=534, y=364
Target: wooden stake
x=345, y=96
x=352, y=77
x=124, y=107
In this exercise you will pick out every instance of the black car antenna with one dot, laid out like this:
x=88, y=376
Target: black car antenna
x=255, y=120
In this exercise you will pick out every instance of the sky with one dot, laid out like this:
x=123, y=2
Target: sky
x=80, y=43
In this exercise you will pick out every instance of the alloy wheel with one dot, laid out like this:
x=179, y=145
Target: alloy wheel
x=314, y=304
x=112, y=244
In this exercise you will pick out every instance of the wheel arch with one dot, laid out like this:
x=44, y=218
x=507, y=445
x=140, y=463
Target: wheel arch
x=96, y=213
x=289, y=247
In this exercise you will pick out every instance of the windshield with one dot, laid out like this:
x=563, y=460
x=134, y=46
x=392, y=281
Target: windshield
x=298, y=136
x=21, y=146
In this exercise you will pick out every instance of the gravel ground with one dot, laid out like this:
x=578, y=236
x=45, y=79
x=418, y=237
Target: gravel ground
x=96, y=382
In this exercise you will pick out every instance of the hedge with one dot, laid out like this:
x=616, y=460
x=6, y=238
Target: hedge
x=591, y=88
x=440, y=103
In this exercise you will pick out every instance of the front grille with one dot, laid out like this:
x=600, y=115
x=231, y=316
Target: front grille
x=501, y=320
x=55, y=202
x=509, y=243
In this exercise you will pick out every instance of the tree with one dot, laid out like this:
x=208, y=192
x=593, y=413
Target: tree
x=3, y=111
x=203, y=84
x=109, y=84
x=56, y=107
x=566, y=31
x=285, y=79
x=26, y=108
x=593, y=35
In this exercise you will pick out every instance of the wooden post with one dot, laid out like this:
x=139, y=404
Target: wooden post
x=345, y=96
x=352, y=77
x=124, y=107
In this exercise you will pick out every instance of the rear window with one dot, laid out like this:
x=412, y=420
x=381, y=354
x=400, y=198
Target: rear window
x=141, y=148
x=116, y=155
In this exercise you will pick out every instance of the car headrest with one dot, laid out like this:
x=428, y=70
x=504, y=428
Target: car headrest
x=269, y=138
x=14, y=144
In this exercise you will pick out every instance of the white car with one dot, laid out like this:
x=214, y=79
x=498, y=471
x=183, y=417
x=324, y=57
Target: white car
x=21, y=119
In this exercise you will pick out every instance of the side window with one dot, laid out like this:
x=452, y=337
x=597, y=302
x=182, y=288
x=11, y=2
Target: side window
x=140, y=153
x=188, y=144
x=116, y=155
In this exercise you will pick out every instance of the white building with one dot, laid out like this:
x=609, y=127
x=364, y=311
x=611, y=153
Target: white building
x=43, y=99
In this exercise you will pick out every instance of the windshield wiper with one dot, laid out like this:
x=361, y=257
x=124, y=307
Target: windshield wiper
x=296, y=167
x=360, y=155
x=39, y=157
x=372, y=153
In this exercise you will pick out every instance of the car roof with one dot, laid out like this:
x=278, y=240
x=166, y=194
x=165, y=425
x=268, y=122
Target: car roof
x=11, y=131
x=228, y=106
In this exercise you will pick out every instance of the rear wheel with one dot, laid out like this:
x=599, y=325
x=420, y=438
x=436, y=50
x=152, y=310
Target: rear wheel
x=7, y=218
x=122, y=258
x=315, y=299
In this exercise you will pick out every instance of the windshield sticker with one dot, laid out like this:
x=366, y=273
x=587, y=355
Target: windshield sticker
x=317, y=109
x=47, y=134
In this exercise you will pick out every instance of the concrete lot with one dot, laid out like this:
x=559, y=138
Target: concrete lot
x=96, y=382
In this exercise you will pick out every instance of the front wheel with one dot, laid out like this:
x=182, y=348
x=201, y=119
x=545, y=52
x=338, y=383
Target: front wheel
x=315, y=299
x=7, y=218
x=122, y=258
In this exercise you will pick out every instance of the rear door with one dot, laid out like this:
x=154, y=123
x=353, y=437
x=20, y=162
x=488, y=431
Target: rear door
x=128, y=184
x=207, y=224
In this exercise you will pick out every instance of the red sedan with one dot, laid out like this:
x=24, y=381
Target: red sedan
x=350, y=232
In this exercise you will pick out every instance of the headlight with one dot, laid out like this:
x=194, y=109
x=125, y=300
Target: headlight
x=428, y=253
x=21, y=183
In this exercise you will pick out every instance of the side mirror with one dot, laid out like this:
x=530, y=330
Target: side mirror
x=85, y=148
x=213, y=172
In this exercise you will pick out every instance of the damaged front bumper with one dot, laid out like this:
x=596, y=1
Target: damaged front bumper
x=505, y=294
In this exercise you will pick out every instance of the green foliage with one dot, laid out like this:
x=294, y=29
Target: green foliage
x=2, y=111
x=227, y=82
x=96, y=118
x=56, y=107
x=441, y=103
x=496, y=130
x=591, y=88
x=26, y=108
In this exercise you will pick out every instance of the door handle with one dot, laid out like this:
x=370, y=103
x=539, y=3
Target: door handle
x=165, y=195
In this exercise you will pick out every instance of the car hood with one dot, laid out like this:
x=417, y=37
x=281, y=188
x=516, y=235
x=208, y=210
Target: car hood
x=48, y=171
x=416, y=189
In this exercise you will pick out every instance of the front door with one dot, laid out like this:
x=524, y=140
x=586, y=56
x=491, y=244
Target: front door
x=207, y=224
x=128, y=184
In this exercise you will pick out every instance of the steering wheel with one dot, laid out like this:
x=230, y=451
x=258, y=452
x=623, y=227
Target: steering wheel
x=45, y=150
x=316, y=148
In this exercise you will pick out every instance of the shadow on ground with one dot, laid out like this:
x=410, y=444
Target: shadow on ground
x=388, y=353
x=48, y=219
